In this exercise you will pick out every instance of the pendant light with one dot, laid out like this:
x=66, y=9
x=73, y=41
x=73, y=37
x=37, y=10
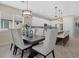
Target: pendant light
x=56, y=13
x=60, y=15
x=27, y=13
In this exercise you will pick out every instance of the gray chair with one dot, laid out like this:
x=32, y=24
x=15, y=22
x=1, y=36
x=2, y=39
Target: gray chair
x=12, y=43
x=18, y=42
x=48, y=45
x=5, y=36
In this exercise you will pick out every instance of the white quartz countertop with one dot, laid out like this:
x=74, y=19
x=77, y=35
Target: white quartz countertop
x=63, y=35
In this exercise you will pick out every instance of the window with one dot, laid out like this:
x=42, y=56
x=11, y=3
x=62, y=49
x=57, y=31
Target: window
x=4, y=23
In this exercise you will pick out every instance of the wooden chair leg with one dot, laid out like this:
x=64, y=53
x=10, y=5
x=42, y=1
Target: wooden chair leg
x=53, y=54
x=11, y=46
x=14, y=50
x=22, y=53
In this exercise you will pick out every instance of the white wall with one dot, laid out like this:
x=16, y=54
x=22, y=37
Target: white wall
x=10, y=10
x=36, y=21
x=68, y=24
x=5, y=37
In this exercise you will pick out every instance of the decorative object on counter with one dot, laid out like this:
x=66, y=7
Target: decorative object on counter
x=30, y=34
x=27, y=27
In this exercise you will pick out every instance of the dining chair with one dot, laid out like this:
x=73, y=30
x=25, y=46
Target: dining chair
x=5, y=36
x=12, y=43
x=18, y=41
x=48, y=45
x=19, y=31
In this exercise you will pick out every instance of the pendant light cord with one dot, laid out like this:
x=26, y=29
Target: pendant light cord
x=27, y=4
x=56, y=11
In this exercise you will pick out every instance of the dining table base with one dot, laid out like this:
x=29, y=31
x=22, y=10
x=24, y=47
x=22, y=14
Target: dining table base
x=34, y=41
x=32, y=53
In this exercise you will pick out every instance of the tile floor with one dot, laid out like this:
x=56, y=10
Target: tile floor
x=71, y=50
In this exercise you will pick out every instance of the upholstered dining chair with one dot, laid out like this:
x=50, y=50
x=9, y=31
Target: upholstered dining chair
x=18, y=42
x=48, y=45
x=12, y=42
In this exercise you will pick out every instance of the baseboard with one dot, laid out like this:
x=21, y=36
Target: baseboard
x=5, y=43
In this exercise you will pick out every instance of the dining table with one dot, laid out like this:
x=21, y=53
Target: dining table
x=34, y=41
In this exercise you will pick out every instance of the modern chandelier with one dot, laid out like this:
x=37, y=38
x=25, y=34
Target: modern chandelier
x=58, y=14
x=27, y=13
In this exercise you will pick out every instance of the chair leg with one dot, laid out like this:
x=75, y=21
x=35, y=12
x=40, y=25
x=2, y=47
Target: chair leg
x=22, y=53
x=15, y=50
x=53, y=54
x=44, y=56
x=11, y=46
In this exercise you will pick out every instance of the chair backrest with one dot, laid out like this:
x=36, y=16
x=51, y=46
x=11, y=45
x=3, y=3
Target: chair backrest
x=17, y=38
x=50, y=39
x=19, y=31
x=39, y=31
x=5, y=36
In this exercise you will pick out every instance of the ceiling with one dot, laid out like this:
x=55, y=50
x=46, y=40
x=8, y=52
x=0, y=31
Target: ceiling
x=46, y=8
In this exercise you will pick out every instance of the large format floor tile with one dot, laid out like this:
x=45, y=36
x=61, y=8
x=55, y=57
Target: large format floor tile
x=71, y=50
